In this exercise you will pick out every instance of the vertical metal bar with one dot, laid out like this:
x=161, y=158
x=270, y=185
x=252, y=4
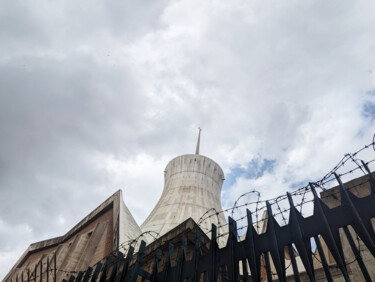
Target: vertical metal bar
x=108, y=262
x=181, y=259
x=28, y=275
x=357, y=254
x=116, y=266
x=41, y=269
x=79, y=276
x=245, y=273
x=96, y=272
x=277, y=256
x=16, y=277
x=213, y=251
x=196, y=257
x=232, y=240
x=302, y=244
x=54, y=271
x=125, y=267
x=167, y=262
x=22, y=276
x=328, y=236
x=323, y=258
x=47, y=277
x=268, y=267
x=294, y=264
x=205, y=277
x=358, y=223
x=137, y=265
x=155, y=268
x=253, y=258
x=35, y=269
x=223, y=273
x=87, y=274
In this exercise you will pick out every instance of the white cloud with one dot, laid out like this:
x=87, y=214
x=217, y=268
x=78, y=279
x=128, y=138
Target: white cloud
x=94, y=96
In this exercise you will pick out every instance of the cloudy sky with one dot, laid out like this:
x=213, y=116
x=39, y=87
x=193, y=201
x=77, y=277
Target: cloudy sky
x=97, y=96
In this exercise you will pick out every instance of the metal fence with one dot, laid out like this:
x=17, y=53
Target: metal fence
x=253, y=255
x=260, y=256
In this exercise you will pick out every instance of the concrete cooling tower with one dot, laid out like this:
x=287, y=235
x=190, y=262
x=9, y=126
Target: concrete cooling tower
x=192, y=187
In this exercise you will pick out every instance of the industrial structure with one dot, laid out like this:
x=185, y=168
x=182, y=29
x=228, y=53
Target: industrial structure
x=192, y=187
x=186, y=237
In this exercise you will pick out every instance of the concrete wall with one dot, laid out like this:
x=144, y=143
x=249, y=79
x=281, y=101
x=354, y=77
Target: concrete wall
x=92, y=239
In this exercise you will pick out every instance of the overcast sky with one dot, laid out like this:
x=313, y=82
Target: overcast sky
x=97, y=96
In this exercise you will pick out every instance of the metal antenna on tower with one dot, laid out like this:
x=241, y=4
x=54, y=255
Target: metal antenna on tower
x=199, y=139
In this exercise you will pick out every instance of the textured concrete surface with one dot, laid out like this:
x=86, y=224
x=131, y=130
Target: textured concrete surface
x=92, y=239
x=192, y=187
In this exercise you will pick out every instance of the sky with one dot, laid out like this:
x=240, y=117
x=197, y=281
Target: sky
x=97, y=96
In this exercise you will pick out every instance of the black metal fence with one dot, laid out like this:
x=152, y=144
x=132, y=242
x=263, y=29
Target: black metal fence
x=254, y=255
x=261, y=256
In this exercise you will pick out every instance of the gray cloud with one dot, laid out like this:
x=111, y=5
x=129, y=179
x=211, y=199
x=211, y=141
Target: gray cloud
x=95, y=95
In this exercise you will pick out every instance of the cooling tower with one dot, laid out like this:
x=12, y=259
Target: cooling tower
x=192, y=186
